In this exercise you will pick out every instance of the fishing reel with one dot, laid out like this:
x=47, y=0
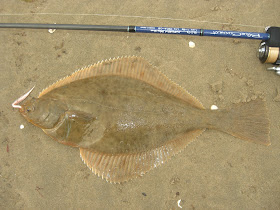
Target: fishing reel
x=269, y=51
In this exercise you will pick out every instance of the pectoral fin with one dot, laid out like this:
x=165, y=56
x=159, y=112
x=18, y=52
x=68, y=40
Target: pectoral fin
x=76, y=128
x=79, y=116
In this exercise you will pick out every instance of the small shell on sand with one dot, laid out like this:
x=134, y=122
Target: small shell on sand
x=178, y=203
x=191, y=44
x=51, y=31
x=214, y=107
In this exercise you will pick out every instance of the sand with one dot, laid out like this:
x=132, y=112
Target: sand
x=217, y=171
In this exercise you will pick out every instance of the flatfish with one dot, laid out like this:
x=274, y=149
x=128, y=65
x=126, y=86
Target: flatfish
x=127, y=118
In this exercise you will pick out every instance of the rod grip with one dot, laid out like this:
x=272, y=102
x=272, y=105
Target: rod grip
x=274, y=40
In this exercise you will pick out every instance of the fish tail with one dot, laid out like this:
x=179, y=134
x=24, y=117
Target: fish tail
x=248, y=121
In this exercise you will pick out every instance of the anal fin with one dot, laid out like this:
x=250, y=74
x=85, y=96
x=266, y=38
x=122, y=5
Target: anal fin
x=117, y=168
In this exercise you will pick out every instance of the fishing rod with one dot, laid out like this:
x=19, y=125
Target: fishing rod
x=269, y=48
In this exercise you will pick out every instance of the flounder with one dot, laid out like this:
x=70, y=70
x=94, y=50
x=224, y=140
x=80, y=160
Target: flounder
x=127, y=118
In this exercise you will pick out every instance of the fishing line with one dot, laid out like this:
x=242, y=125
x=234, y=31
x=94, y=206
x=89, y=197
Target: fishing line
x=135, y=16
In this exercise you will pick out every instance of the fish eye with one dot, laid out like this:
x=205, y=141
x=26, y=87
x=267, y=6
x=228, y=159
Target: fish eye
x=30, y=109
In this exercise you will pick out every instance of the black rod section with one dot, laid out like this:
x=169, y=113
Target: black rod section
x=69, y=27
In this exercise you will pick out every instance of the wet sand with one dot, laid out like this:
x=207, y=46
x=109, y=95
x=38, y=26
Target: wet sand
x=217, y=171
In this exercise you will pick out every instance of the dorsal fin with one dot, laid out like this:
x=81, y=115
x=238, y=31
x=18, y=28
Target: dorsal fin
x=117, y=168
x=132, y=67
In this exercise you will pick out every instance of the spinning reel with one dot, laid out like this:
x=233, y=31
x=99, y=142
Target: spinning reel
x=269, y=51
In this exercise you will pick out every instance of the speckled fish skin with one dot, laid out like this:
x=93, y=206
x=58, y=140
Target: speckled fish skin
x=128, y=118
x=118, y=115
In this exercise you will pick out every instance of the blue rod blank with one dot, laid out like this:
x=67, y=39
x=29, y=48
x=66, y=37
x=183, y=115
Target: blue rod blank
x=203, y=32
